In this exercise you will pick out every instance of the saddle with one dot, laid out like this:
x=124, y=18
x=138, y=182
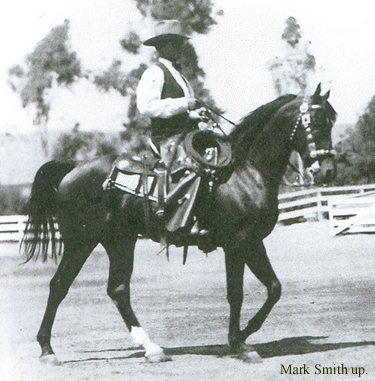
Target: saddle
x=179, y=191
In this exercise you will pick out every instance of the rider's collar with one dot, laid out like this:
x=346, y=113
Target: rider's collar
x=167, y=63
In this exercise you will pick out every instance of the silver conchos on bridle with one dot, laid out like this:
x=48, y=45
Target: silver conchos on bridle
x=305, y=119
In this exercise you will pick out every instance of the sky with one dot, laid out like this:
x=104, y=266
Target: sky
x=234, y=54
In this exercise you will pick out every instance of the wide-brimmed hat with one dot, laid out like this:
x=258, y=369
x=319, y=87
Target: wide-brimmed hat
x=166, y=29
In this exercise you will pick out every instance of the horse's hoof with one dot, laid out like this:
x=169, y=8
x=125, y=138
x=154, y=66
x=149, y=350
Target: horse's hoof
x=49, y=360
x=157, y=355
x=249, y=355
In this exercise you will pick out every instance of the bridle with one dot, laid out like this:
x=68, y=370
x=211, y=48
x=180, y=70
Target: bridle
x=305, y=118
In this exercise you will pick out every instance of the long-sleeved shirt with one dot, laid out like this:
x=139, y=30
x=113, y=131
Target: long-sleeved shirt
x=150, y=88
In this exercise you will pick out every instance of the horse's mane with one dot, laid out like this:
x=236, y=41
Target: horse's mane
x=251, y=125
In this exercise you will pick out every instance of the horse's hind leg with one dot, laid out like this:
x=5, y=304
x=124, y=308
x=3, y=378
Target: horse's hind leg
x=259, y=264
x=71, y=263
x=120, y=251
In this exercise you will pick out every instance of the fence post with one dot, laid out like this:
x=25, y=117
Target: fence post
x=319, y=205
x=20, y=227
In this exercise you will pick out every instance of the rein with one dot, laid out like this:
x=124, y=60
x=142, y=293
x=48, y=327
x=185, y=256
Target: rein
x=216, y=112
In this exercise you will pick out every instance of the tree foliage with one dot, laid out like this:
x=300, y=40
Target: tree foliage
x=355, y=153
x=292, y=71
x=113, y=78
x=52, y=59
x=80, y=145
x=54, y=63
x=131, y=42
x=13, y=199
x=195, y=15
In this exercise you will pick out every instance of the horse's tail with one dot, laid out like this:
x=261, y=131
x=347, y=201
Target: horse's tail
x=40, y=229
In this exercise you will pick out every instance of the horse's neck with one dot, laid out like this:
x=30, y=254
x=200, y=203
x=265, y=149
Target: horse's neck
x=271, y=150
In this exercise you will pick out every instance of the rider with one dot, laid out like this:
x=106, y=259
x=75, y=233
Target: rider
x=165, y=95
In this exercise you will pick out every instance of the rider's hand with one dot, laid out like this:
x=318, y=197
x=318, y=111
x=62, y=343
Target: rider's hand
x=204, y=114
x=194, y=115
x=193, y=104
x=199, y=114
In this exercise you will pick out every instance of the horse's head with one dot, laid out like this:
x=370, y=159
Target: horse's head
x=312, y=136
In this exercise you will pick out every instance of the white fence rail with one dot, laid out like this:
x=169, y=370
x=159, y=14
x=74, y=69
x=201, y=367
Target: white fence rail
x=352, y=215
x=310, y=203
x=314, y=203
x=12, y=228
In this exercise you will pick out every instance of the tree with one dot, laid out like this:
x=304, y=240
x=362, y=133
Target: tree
x=81, y=145
x=51, y=61
x=195, y=16
x=292, y=71
x=355, y=153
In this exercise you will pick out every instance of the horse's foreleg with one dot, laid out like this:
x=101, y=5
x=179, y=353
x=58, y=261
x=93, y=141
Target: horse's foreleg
x=67, y=271
x=121, y=256
x=260, y=265
x=235, y=270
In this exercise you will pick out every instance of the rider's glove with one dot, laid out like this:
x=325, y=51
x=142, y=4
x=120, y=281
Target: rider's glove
x=200, y=114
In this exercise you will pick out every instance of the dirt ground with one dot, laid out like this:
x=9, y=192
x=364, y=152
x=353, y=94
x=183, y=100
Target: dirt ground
x=323, y=324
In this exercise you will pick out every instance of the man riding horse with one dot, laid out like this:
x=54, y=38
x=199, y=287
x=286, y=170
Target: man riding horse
x=166, y=96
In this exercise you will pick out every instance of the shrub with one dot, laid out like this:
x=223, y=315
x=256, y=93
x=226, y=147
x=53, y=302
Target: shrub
x=13, y=199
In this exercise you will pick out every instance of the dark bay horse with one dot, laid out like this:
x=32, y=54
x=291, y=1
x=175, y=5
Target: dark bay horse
x=245, y=212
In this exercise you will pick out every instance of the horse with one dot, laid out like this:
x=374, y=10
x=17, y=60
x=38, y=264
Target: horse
x=244, y=211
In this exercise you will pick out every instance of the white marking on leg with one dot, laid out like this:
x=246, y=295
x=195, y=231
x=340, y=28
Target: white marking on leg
x=140, y=337
x=49, y=360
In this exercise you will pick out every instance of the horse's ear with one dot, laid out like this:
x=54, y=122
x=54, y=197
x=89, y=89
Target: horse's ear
x=326, y=95
x=317, y=91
